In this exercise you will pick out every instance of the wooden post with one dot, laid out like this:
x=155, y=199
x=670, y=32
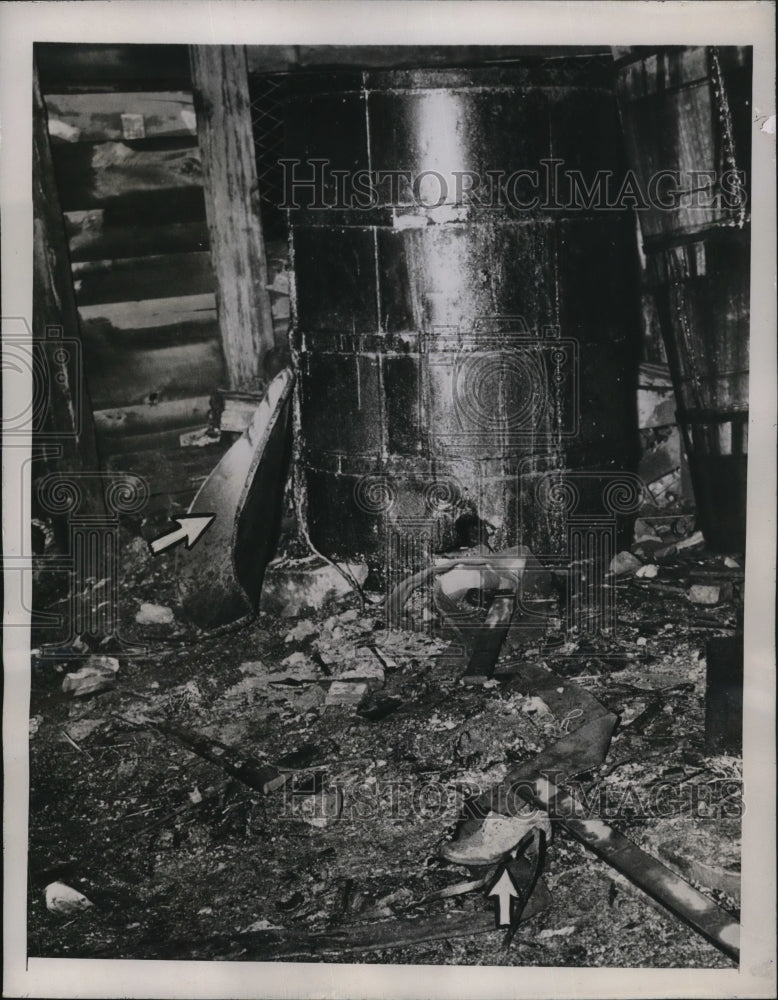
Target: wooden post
x=68, y=412
x=220, y=82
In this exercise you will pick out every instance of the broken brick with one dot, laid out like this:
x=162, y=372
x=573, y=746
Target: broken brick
x=345, y=693
x=624, y=563
x=709, y=593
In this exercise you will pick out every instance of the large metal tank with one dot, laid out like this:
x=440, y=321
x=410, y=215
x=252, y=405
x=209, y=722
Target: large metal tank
x=687, y=119
x=465, y=324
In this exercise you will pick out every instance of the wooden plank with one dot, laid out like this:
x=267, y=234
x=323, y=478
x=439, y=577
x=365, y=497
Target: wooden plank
x=84, y=220
x=54, y=306
x=150, y=208
x=65, y=65
x=101, y=117
x=234, y=411
x=101, y=243
x=122, y=376
x=139, y=278
x=174, y=414
x=226, y=136
x=195, y=310
x=89, y=174
x=161, y=441
x=177, y=332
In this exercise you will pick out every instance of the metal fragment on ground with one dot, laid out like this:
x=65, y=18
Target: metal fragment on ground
x=489, y=639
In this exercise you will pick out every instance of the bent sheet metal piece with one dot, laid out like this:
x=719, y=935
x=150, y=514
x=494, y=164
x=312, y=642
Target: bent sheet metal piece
x=537, y=781
x=220, y=578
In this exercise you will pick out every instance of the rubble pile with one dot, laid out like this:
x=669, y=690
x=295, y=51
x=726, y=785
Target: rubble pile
x=292, y=789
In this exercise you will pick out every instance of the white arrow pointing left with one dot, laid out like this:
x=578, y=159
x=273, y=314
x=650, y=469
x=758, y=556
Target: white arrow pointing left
x=189, y=530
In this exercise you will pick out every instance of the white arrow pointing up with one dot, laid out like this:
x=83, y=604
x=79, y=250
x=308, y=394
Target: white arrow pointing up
x=505, y=890
x=189, y=530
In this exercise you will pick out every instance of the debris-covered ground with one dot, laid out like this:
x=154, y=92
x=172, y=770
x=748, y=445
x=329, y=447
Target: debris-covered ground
x=282, y=790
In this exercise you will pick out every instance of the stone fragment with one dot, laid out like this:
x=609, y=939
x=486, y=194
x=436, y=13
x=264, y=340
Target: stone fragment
x=345, y=693
x=254, y=667
x=154, y=614
x=365, y=666
x=260, y=925
x=624, y=563
x=546, y=935
x=643, y=532
x=691, y=542
x=82, y=729
x=709, y=593
x=247, y=689
x=302, y=630
x=294, y=659
x=61, y=898
x=307, y=699
x=97, y=674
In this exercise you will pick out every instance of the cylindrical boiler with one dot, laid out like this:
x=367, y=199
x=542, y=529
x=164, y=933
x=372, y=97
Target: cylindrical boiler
x=464, y=310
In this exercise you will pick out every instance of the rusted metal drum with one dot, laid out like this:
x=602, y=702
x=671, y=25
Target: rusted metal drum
x=462, y=323
x=687, y=125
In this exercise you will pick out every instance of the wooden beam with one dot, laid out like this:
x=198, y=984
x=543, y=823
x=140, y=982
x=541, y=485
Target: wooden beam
x=122, y=375
x=93, y=174
x=75, y=66
x=283, y=58
x=111, y=117
x=68, y=413
x=174, y=414
x=101, y=242
x=142, y=278
x=221, y=100
x=185, y=319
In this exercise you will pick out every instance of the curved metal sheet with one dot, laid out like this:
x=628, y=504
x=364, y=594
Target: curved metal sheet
x=220, y=579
